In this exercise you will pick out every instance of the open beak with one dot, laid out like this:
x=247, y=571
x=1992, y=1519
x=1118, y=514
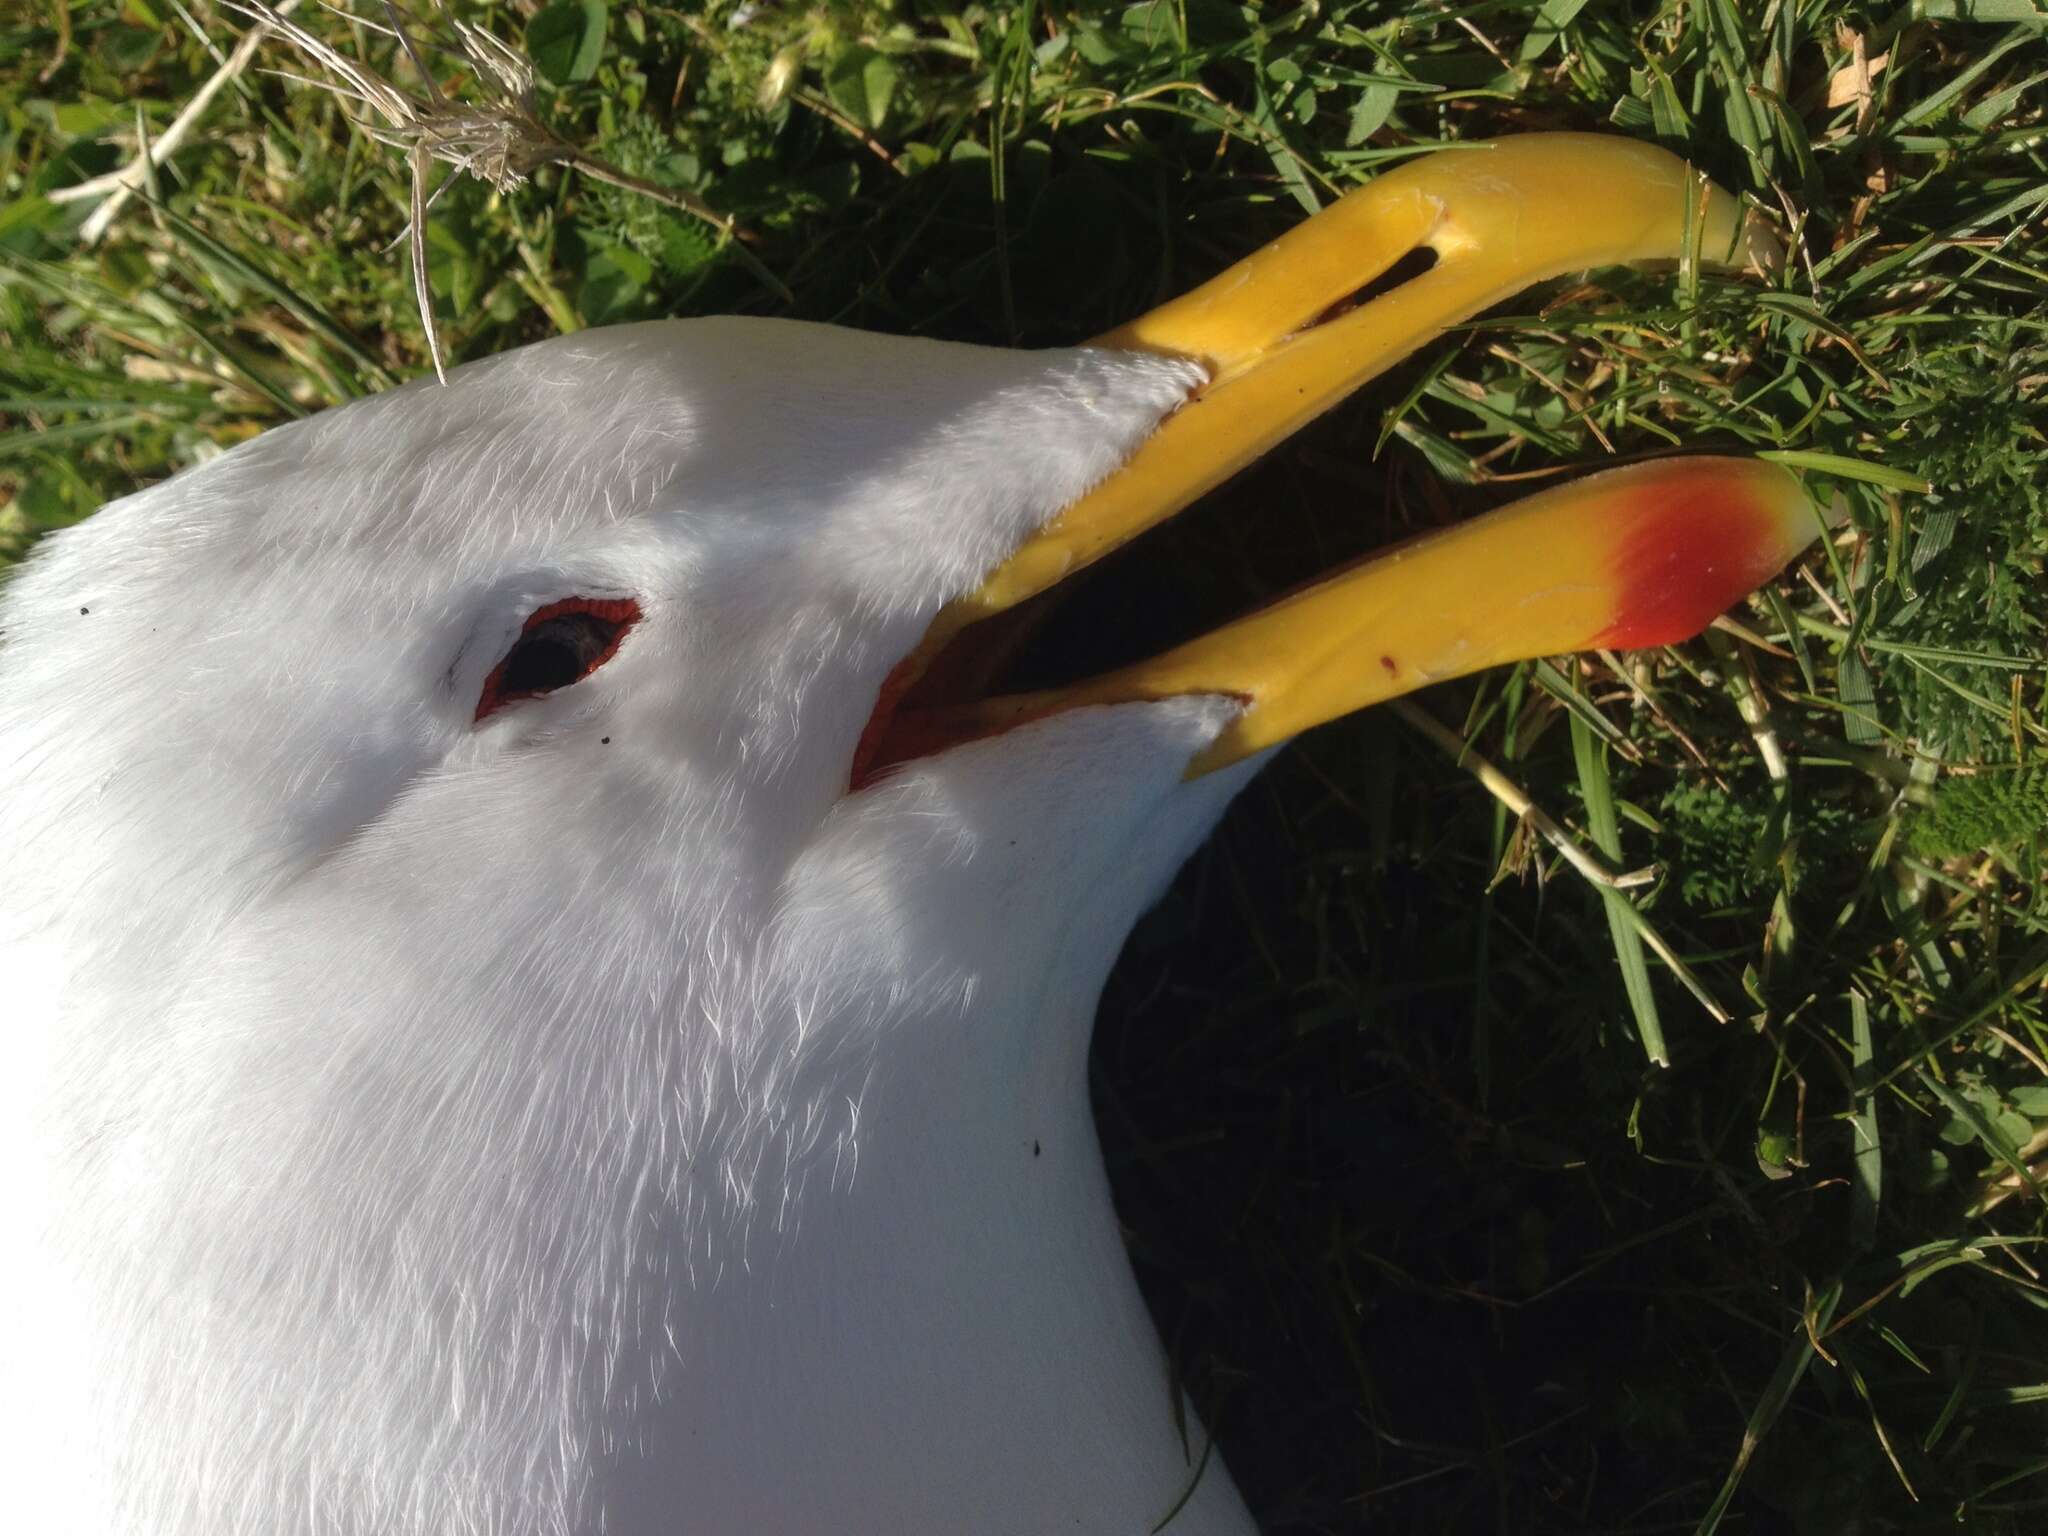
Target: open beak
x=1640, y=556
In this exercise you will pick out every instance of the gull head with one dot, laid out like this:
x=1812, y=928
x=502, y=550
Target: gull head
x=447, y=934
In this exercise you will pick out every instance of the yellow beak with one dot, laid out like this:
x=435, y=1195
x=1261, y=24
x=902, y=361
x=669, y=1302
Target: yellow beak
x=1641, y=556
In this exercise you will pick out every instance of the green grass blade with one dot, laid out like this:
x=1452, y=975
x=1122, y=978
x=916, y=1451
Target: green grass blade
x=1604, y=830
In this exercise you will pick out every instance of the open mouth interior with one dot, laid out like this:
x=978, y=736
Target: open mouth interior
x=1208, y=565
x=1129, y=606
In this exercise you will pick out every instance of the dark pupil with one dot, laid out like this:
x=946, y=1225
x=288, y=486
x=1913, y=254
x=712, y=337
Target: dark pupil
x=556, y=652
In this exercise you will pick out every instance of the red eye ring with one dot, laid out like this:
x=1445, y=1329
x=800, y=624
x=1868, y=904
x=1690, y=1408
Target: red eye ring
x=560, y=643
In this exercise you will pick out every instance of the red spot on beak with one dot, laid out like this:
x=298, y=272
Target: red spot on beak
x=1693, y=552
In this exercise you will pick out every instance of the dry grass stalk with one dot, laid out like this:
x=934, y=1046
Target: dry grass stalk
x=499, y=140
x=116, y=187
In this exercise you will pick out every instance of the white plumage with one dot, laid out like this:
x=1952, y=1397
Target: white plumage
x=590, y=1117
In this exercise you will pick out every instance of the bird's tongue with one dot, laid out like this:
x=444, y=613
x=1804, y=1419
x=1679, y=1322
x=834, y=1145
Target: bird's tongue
x=1640, y=556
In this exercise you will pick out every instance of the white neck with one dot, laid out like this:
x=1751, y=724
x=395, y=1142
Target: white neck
x=882, y=1291
x=984, y=1342
x=949, y=1297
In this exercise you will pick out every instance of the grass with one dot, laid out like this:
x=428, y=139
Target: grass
x=1435, y=1244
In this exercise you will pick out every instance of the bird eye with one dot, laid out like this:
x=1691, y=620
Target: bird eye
x=559, y=644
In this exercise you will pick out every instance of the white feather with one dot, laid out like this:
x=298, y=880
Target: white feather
x=592, y=1118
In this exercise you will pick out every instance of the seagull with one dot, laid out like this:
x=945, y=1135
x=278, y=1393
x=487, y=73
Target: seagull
x=548, y=987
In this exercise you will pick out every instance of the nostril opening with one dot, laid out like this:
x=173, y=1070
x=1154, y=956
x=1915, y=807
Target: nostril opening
x=1406, y=270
